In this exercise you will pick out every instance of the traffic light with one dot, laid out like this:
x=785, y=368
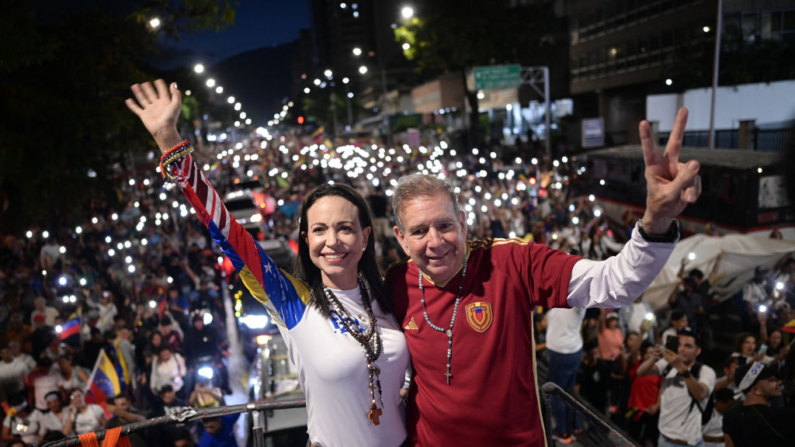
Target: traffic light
x=300, y=120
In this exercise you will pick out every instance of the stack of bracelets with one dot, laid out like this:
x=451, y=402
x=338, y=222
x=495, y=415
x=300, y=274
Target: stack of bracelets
x=172, y=155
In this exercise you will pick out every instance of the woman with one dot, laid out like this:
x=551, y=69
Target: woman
x=333, y=315
x=776, y=350
x=167, y=369
x=83, y=418
x=74, y=377
x=21, y=423
x=55, y=418
x=745, y=349
x=644, y=400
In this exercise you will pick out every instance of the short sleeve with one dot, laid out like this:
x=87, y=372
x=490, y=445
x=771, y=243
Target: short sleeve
x=7, y=421
x=707, y=377
x=549, y=274
x=98, y=411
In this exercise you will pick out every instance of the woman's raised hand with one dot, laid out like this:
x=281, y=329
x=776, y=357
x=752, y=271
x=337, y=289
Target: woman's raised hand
x=158, y=108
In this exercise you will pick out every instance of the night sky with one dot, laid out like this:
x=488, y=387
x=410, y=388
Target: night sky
x=258, y=23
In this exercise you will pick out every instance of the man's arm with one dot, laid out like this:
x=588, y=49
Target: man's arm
x=127, y=416
x=670, y=187
x=728, y=440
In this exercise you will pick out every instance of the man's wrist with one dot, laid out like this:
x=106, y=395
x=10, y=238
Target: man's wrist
x=684, y=372
x=656, y=227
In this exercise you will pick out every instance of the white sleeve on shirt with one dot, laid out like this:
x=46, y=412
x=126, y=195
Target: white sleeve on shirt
x=661, y=365
x=620, y=280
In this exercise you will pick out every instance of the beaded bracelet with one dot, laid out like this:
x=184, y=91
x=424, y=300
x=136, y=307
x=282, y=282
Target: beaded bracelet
x=176, y=147
x=172, y=156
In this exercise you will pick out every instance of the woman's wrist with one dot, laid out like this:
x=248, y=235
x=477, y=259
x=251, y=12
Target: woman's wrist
x=167, y=138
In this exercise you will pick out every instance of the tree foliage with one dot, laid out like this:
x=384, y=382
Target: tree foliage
x=449, y=36
x=63, y=87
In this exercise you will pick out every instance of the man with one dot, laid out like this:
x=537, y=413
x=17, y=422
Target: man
x=753, y=422
x=688, y=301
x=478, y=387
x=120, y=408
x=16, y=352
x=11, y=375
x=43, y=380
x=41, y=336
x=564, y=343
x=756, y=292
x=219, y=431
x=686, y=388
x=41, y=308
x=678, y=321
x=636, y=316
x=713, y=428
x=203, y=342
x=168, y=404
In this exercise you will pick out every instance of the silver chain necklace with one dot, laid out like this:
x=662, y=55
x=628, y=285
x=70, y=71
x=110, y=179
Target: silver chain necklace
x=449, y=332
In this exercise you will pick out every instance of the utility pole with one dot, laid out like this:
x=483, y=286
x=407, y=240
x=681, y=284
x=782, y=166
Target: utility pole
x=715, y=69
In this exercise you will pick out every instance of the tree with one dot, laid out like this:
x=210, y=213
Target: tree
x=63, y=88
x=452, y=36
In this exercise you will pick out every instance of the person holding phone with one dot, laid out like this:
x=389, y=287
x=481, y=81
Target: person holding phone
x=686, y=387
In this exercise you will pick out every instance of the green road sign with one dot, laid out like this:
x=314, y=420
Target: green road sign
x=497, y=77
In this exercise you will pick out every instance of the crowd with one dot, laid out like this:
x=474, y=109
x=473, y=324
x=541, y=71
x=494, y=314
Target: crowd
x=648, y=378
x=140, y=280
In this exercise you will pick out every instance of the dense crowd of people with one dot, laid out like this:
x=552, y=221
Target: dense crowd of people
x=140, y=280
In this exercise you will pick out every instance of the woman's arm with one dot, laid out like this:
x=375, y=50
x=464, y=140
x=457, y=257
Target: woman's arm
x=282, y=295
x=714, y=273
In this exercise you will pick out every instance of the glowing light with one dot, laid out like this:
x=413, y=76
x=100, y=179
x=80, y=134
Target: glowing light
x=362, y=69
x=407, y=12
x=198, y=68
x=591, y=198
x=357, y=51
x=210, y=82
x=669, y=81
x=406, y=46
x=691, y=256
x=62, y=249
x=154, y=23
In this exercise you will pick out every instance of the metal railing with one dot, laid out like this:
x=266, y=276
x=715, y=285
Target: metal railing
x=192, y=414
x=601, y=431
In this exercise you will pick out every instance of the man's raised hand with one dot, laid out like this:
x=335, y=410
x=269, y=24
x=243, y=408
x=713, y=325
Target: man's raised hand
x=671, y=185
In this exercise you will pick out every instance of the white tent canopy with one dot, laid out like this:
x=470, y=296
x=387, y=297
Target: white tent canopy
x=742, y=254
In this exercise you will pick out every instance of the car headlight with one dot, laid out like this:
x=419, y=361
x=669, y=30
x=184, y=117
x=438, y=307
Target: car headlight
x=256, y=218
x=255, y=321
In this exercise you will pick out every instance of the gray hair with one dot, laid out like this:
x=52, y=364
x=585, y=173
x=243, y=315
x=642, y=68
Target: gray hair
x=410, y=187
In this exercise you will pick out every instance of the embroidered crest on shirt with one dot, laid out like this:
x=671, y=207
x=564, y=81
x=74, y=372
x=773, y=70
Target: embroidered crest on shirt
x=479, y=315
x=412, y=326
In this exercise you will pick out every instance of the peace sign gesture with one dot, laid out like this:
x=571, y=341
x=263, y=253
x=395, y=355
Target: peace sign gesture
x=670, y=185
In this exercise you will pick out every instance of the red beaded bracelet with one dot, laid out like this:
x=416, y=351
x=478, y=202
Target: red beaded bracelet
x=172, y=156
x=175, y=148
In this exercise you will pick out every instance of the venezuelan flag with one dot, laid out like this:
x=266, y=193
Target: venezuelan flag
x=70, y=332
x=789, y=327
x=121, y=364
x=103, y=383
x=319, y=135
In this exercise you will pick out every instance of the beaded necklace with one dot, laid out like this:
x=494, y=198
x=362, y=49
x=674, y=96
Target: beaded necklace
x=370, y=341
x=449, y=332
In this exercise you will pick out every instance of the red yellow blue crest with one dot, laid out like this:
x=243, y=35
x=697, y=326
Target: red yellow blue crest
x=479, y=315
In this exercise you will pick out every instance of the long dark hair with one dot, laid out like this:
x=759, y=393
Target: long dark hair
x=369, y=270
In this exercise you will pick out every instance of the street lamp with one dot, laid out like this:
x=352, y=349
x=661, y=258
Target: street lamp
x=210, y=82
x=407, y=12
x=219, y=89
x=306, y=90
x=198, y=68
x=362, y=69
x=345, y=80
x=231, y=100
x=154, y=23
x=406, y=46
x=357, y=51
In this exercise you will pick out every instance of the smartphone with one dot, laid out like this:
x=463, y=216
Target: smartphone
x=672, y=344
x=763, y=349
x=741, y=361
